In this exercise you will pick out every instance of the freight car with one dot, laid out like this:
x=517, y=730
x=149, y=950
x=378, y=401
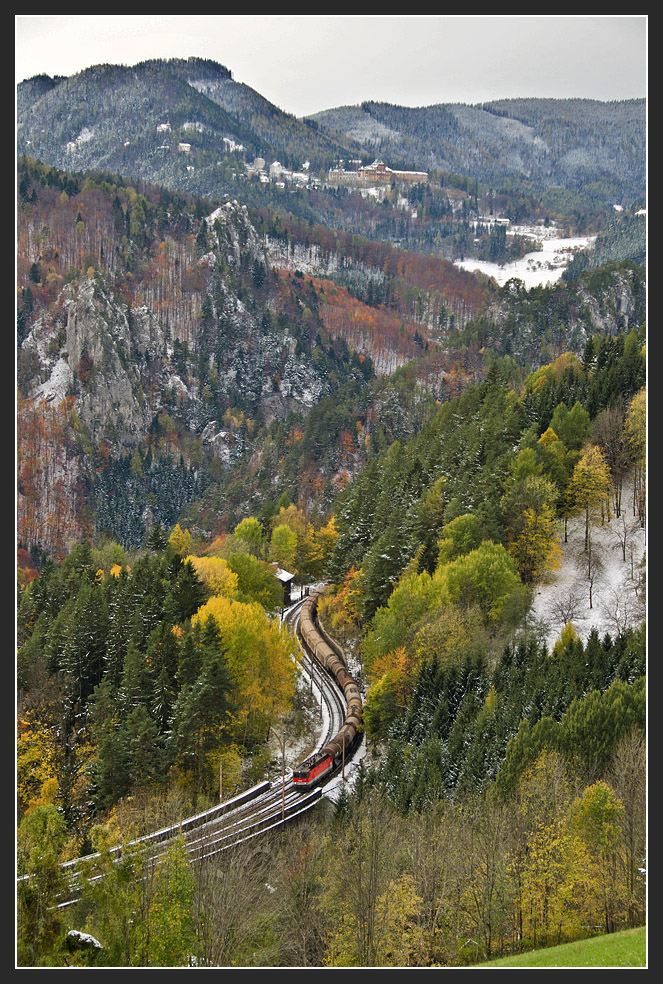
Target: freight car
x=330, y=656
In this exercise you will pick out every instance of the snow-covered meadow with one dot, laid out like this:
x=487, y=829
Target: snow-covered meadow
x=538, y=268
x=618, y=589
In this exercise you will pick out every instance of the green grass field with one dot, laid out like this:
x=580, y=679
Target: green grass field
x=625, y=949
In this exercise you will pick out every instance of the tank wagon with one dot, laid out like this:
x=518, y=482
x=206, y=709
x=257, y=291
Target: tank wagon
x=330, y=656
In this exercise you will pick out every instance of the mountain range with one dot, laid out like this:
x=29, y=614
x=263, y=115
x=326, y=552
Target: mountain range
x=133, y=120
x=565, y=143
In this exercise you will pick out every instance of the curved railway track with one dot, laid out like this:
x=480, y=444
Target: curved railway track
x=265, y=807
x=331, y=697
x=329, y=655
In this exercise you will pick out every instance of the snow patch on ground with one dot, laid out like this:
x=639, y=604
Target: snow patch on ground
x=541, y=267
x=618, y=592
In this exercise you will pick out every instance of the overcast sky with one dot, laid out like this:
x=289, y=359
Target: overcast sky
x=304, y=64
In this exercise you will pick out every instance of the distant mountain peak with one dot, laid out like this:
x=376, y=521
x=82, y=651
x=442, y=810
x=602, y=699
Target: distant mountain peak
x=203, y=67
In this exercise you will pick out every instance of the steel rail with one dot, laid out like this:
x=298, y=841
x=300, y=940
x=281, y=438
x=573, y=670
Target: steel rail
x=262, y=808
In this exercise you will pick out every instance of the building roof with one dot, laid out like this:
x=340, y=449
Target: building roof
x=283, y=576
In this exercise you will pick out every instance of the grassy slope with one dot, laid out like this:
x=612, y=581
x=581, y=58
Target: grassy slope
x=625, y=949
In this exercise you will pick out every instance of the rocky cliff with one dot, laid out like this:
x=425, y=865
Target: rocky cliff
x=181, y=347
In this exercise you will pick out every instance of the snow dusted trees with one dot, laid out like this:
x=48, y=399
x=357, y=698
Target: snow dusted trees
x=143, y=689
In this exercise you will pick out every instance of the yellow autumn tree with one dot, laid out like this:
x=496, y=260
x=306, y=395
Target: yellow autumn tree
x=315, y=548
x=635, y=427
x=181, y=541
x=35, y=764
x=595, y=817
x=402, y=667
x=636, y=423
x=215, y=575
x=536, y=548
x=398, y=942
x=528, y=510
x=590, y=484
x=393, y=676
x=291, y=516
x=326, y=536
x=566, y=636
x=340, y=607
x=262, y=661
x=557, y=900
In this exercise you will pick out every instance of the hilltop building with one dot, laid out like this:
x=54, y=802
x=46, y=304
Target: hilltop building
x=377, y=173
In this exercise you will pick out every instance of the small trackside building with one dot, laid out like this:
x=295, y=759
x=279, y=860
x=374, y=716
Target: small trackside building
x=286, y=580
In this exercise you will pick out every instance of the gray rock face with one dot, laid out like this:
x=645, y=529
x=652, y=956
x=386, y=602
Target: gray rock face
x=105, y=357
x=118, y=362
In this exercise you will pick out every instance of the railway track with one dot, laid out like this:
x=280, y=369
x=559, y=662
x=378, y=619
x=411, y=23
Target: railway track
x=328, y=692
x=252, y=813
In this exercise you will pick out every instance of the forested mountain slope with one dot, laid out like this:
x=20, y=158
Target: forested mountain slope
x=140, y=670
x=149, y=323
x=155, y=326
x=134, y=121
x=571, y=143
x=163, y=340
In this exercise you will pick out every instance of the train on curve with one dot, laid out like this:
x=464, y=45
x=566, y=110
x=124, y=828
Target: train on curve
x=330, y=656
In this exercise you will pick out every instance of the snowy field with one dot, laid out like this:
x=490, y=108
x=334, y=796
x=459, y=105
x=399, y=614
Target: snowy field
x=618, y=590
x=534, y=269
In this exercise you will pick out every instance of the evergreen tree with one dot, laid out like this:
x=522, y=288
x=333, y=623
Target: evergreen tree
x=84, y=641
x=201, y=710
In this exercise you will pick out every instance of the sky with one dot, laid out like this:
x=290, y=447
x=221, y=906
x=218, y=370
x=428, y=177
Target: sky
x=307, y=63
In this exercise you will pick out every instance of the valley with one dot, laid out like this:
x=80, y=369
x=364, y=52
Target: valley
x=424, y=391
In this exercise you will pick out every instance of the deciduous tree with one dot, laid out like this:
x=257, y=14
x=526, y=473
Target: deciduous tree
x=283, y=547
x=181, y=541
x=41, y=837
x=589, y=486
x=487, y=577
x=635, y=426
x=216, y=575
x=369, y=907
x=249, y=533
x=596, y=817
x=535, y=548
x=260, y=658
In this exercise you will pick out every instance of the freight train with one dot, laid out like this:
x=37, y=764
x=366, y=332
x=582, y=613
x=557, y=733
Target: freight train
x=330, y=656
